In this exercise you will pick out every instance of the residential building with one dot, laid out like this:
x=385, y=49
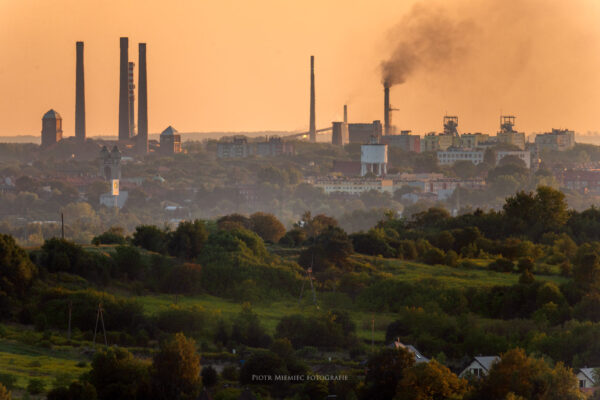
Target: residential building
x=274, y=146
x=352, y=186
x=479, y=367
x=239, y=147
x=454, y=154
x=558, y=140
x=587, y=378
x=419, y=358
x=585, y=180
x=472, y=140
x=435, y=142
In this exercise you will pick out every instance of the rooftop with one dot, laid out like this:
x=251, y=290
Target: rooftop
x=51, y=114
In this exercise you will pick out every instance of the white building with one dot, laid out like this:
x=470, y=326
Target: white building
x=352, y=186
x=587, y=378
x=479, y=367
x=452, y=155
x=373, y=158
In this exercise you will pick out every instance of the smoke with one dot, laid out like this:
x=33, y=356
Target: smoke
x=427, y=37
x=537, y=59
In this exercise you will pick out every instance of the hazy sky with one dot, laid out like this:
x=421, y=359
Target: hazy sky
x=244, y=65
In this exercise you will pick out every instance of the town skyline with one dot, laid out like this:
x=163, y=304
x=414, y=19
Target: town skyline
x=213, y=78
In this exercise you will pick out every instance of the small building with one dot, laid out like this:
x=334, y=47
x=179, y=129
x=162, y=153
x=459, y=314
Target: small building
x=373, y=158
x=584, y=180
x=557, y=140
x=433, y=142
x=51, y=129
x=479, y=367
x=473, y=140
x=362, y=133
x=170, y=141
x=404, y=140
x=346, y=168
x=419, y=358
x=339, y=133
x=587, y=378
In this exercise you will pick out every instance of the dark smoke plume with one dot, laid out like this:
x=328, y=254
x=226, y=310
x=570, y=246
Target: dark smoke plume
x=427, y=38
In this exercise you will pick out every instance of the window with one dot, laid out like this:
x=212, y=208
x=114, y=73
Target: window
x=582, y=383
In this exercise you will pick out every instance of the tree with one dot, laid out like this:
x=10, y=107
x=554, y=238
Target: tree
x=188, y=239
x=248, y=330
x=150, y=238
x=128, y=260
x=115, y=235
x=176, y=369
x=384, y=371
x=16, y=269
x=430, y=381
x=332, y=246
x=117, y=375
x=267, y=226
x=75, y=391
x=4, y=393
x=586, y=269
x=209, y=377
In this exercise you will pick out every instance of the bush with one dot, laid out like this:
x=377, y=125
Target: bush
x=36, y=386
x=434, y=256
x=150, y=238
x=451, y=258
x=8, y=380
x=114, y=235
x=293, y=238
x=502, y=265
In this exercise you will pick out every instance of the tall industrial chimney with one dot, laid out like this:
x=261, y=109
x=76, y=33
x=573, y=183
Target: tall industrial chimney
x=79, y=94
x=345, y=113
x=131, y=95
x=142, y=100
x=312, y=129
x=124, y=133
x=386, y=109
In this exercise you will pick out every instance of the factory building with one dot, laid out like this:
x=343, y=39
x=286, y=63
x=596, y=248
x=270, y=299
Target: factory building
x=443, y=141
x=170, y=141
x=131, y=97
x=405, y=141
x=373, y=158
x=558, y=140
x=362, y=133
x=51, y=129
x=110, y=163
x=473, y=140
x=239, y=147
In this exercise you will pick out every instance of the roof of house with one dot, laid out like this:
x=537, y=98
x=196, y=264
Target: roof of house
x=419, y=358
x=169, y=131
x=486, y=361
x=51, y=114
x=589, y=373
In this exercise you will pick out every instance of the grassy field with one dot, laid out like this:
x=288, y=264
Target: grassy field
x=25, y=362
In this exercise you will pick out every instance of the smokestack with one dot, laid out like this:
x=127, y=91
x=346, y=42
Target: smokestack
x=345, y=113
x=131, y=96
x=79, y=94
x=312, y=129
x=142, y=100
x=386, y=109
x=124, y=90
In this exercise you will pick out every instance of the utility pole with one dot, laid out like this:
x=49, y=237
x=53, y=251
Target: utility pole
x=100, y=316
x=62, y=225
x=70, y=312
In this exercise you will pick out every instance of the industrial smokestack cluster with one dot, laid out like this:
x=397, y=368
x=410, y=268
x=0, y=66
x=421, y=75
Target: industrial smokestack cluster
x=79, y=94
x=127, y=97
x=312, y=126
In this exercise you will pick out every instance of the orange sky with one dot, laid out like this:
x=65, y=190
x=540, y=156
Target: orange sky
x=227, y=65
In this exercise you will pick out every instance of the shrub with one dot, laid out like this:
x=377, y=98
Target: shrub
x=114, y=235
x=36, y=386
x=434, y=256
x=502, y=265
